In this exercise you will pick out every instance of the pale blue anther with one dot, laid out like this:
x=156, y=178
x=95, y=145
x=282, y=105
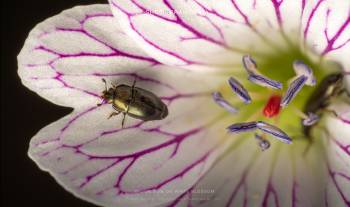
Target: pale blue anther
x=239, y=90
x=300, y=68
x=293, y=90
x=249, y=64
x=274, y=131
x=263, y=143
x=254, y=75
x=264, y=81
x=257, y=78
x=219, y=99
x=242, y=127
x=311, y=119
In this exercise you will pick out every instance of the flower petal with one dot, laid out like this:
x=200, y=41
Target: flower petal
x=92, y=157
x=245, y=176
x=206, y=32
x=338, y=151
x=64, y=57
x=326, y=29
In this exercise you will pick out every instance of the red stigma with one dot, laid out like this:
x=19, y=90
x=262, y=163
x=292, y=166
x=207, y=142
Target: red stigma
x=272, y=107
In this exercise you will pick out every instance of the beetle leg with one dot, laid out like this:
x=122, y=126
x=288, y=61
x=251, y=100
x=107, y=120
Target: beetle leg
x=123, y=121
x=124, y=115
x=345, y=91
x=115, y=108
x=133, y=89
x=331, y=111
x=113, y=114
x=114, y=85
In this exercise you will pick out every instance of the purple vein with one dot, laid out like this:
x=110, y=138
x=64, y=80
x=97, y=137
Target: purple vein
x=313, y=11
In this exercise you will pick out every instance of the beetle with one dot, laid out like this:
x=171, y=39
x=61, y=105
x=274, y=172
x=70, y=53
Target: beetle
x=134, y=101
x=331, y=86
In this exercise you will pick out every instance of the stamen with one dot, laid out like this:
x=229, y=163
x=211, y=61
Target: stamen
x=311, y=119
x=293, y=90
x=274, y=131
x=263, y=143
x=239, y=90
x=223, y=103
x=242, y=127
x=301, y=68
x=264, y=81
x=249, y=64
x=254, y=75
x=299, y=113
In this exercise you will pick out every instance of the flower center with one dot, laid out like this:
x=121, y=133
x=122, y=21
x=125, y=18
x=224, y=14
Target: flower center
x=279, y=86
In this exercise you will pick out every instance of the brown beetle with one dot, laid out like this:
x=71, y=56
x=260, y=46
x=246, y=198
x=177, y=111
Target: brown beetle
x=135, y=102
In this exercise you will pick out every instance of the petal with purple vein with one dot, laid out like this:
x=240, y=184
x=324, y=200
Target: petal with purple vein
x=92, y=157
x=338, y=151
x=64, y=57
x=196, y=31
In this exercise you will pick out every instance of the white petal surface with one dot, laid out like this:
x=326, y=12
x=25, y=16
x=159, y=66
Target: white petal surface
x=95, y=159
x=338, y=162
x=279, y=176
x=64, y=60
x=326, y=29
x=282, y=175
x=207, y=32
x=65, y=57
x=219, y=33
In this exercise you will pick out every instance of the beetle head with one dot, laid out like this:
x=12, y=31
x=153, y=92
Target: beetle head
x=336, y=79
x=335, y=84
x=108, y=95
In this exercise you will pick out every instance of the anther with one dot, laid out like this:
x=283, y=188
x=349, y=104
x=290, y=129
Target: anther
x=239, y=90
x=311, y=119
x=300, y=68
x=263, y=143
x=223, y=103
x=254, y=75
x=274, y=131
x=249, y=64
x=264, y=81
x=242, y=127
x=293, y=90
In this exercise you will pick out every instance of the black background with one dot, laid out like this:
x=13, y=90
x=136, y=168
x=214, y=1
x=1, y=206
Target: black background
x=24, y=113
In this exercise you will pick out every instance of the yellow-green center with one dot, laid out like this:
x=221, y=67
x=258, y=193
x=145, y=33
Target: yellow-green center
x=278, y=67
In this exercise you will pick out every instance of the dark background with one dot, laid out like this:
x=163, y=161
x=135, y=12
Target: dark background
x=23, y=113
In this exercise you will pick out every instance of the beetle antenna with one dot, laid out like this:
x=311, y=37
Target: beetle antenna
x=123, y=121
x=104, y=80
x=133, y=84
x=331, y=111
x=133, y=88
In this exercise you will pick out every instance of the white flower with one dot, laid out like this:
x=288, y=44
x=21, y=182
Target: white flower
x=183, y=51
